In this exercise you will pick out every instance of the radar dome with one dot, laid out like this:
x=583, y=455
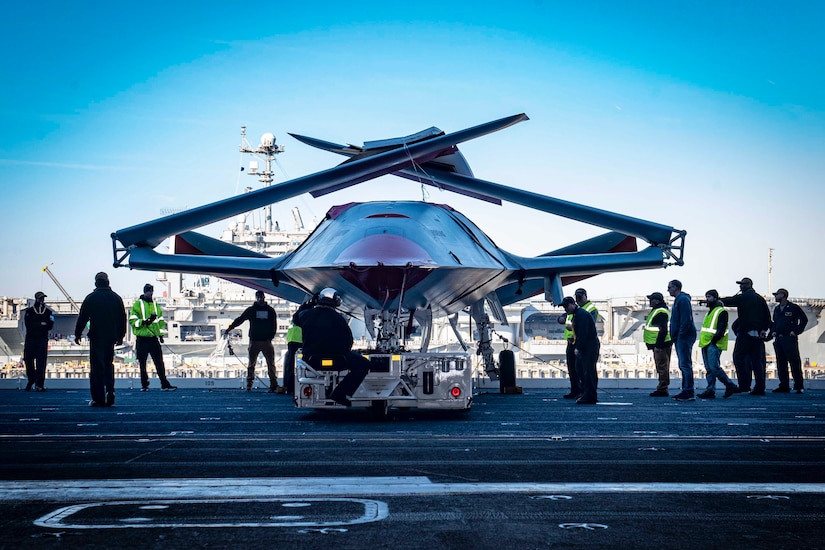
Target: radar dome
x=268, y=139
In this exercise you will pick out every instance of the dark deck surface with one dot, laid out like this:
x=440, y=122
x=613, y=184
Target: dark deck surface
x=229, y=469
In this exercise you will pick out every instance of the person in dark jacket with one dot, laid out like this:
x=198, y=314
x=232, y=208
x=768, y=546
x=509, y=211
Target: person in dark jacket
x=104, y=312
x=789, y=321
x=326, y=332
x=657, y=339
x=683, y=335
x=586, y=350
x=38, y=320
x=752, y=328
x=262, y=325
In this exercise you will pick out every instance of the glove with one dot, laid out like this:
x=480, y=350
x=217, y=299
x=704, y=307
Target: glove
x=161, y=339
x=77, y=340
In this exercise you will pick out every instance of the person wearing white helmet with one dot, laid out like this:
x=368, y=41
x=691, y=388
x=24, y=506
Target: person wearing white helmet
x=326, y=332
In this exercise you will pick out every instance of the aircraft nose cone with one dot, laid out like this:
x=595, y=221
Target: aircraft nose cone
x=386, y=249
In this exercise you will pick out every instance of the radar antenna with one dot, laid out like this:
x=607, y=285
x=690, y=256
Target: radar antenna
x=266, y=152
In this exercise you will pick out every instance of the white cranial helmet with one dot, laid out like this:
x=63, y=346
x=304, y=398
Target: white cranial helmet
x=329, y=297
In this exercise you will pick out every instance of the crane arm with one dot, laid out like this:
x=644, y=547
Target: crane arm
x=48, y=272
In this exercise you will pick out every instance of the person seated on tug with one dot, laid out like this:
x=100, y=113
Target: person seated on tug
x=326, y=333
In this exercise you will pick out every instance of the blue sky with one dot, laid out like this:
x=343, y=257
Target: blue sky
x=707, y=116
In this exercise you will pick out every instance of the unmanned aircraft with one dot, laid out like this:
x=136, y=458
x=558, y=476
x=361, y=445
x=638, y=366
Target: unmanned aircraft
x=399, y=263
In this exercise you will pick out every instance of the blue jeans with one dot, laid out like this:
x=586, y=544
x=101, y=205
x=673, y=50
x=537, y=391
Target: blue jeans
x=683, y=348
x=711, y=355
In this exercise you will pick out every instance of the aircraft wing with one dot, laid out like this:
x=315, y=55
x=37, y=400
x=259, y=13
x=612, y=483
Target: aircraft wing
x=451, y=163
x=610, y=252
x=453, y=176
x=198, y=254
x=154, y=232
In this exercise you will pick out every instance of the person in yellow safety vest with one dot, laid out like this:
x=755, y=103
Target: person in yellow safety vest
x=657, y=338
x=713, y=340
x=587, y=305
x=148, y=326
x=294, y=339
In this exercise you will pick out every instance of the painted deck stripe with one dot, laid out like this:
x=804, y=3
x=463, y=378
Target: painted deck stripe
x=95, y=490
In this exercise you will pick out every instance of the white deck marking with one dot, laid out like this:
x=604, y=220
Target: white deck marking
x=211, y=488
x=110, y=515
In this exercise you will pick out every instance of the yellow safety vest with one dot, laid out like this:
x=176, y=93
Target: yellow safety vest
x=294, y=334
x=709, y=327
x=568, y=329
x=589, y=307
x=651, y=332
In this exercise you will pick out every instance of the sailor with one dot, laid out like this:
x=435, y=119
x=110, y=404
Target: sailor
x=585, y=304
x=713, y=340
x=657, y=338
x=789, y=321
x=683, y=334
x=103, y=310
x=262, y=325
x=752, y=328
x=586, y=350
x=148, y=326
x=326, y=332
x=38, y=320
x=570, y=337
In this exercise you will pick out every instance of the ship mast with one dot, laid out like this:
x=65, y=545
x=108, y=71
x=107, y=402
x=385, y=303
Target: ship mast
x=266, y=152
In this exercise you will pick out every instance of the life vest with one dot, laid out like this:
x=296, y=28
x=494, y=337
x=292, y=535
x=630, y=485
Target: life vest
x=709, y=327
x=651, y=332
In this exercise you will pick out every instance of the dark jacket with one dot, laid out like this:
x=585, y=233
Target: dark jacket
x=262, y=321
x=584, y=328
x=681, y=319
x=324, y=330
x=103, y=310
x=752, y=311
x=37, y=324
x=790, y=319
